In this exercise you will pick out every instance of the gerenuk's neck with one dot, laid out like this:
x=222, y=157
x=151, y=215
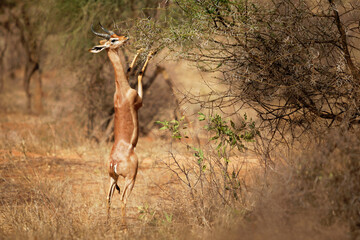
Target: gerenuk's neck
x=121, y=82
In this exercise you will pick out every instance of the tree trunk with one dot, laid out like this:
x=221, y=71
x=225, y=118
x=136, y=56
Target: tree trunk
x=1, y=78
x=2, y=55
x=30, y=69
x=38, y=93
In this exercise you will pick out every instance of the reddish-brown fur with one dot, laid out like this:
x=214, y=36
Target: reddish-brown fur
x=123, y=160
x=127, y=101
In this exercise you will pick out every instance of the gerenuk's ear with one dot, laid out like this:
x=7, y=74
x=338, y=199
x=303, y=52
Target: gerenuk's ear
x=97, y=49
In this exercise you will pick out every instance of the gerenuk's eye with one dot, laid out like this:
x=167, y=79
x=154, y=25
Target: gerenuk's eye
x=114, y=40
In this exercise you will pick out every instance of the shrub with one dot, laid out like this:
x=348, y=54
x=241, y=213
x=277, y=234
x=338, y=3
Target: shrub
x=319, y=187
x=213, y=175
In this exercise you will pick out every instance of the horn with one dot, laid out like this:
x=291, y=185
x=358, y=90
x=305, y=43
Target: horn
x=106, y=36
x=105, y=30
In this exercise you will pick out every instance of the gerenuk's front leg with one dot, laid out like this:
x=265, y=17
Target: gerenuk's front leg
x=133, y=63
x=141, y=74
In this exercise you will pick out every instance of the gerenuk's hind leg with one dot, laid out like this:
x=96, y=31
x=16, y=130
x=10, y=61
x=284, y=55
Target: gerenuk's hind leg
x=128, y=186
x=110, y=194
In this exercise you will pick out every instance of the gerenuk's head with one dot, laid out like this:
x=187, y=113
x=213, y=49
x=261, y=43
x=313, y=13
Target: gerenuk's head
x=110, y=41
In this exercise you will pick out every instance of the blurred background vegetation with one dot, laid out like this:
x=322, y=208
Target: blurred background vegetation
x=292, y=65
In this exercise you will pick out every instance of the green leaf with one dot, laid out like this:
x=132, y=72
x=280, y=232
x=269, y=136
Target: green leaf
x=201, y=116
x=168, y=217
x=214, y=138
x=204, y=168
x=201, y=153
x=232, y=124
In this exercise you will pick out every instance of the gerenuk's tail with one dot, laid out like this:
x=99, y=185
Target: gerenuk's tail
x=117, y=188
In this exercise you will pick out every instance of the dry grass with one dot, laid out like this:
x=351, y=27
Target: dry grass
x=315, y=195
x=61, y=194
x=54, y=191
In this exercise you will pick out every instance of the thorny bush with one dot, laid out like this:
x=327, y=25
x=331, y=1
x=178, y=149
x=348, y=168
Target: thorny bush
x=213, y=176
